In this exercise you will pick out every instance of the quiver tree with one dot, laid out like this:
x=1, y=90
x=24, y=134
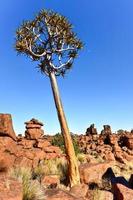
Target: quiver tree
x=49, y=40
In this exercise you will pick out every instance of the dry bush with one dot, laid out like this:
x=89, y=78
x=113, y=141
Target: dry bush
x=57, y=166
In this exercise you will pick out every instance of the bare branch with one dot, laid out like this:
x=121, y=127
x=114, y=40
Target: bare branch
x=67, y=49
x=35, y=54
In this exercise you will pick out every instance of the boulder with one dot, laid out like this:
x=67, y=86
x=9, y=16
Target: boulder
x=6, y=126
x=92, y=173
x=79, y=190
x=50, y=180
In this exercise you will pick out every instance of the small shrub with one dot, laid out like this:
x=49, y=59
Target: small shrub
x=81, y=158
x=59, y=141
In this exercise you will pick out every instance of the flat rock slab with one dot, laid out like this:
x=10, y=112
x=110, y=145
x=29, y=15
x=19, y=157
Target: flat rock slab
x=58, y=194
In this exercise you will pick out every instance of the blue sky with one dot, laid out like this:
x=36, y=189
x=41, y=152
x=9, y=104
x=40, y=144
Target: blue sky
x=99, y=88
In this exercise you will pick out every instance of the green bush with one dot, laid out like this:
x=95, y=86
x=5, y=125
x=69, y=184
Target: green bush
x=58, y=140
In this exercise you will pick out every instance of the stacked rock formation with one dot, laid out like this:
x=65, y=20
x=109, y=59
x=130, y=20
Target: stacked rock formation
x=91, y=130
x=33, y=129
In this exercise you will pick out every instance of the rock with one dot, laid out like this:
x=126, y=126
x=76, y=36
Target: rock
x=58, y=194
x=122, y=192
x=106, y=130
x=42, y=144
x=52, y=149
x=99, y=195
x=6, y=162
x=23, y=162
x=92, y=173
x=91, y=130
x=118, y=153
x=26, y=144
x=6, y=127
x=33, y=129
x=50, y=180
x=33, y=134
x=79, y=190
x=8, y=145
x=10, y=189
x=130, y=142
x=33, y=122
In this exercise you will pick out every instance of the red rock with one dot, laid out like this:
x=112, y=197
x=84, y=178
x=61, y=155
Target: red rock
x=6, y=162
x=109, y=156
x=33, y=129
x=58, y=194
x=6, y=127
x=8, y=145
x=33, y=134
x=79, y=190
x=30, y=126
x=106, y=130
x=52, y=149
x=92, y=173
x=130, y=142
x=50, y=180
x=122, y=192
x=27, y=144
x=91, y=130
x=34, y=121
x=39, y=154
x=43, y=144
x=52, y=155
x=10, y=189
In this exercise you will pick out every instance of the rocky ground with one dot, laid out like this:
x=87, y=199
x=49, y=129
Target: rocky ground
x=105, y=165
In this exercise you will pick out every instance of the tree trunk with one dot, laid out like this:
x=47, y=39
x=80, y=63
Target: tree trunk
x=74, y=177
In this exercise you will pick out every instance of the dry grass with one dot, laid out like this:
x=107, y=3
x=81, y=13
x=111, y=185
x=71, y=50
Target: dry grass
x=81, y=157
x=124, y=170
x=97, y=195
x=57, y=166
x=32, y=190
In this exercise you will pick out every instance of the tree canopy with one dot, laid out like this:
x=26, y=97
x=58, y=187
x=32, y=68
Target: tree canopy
x=50, y=40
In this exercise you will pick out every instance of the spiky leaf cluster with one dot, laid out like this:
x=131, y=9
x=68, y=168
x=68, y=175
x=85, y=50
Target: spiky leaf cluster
x=49, y=39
